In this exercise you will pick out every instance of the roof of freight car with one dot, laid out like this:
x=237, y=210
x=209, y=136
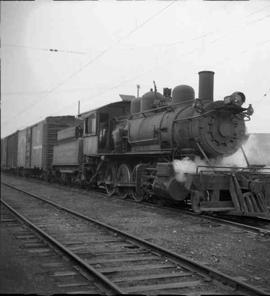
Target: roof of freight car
x=115, y=104
x=37, y=123
x=45, y=119
x=13, y=134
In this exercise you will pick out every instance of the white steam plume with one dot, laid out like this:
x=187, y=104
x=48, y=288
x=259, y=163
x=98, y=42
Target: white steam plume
x=186, y=165
x=257, y=149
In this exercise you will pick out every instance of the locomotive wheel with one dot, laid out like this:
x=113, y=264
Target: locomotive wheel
x=124, y=176
x=196, y=197
x=110, y=179
x=137, y=195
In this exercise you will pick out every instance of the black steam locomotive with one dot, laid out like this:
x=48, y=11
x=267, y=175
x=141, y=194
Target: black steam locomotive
x=132, y=148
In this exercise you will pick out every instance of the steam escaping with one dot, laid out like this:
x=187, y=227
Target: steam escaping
x=257, y=149
x=186, y=165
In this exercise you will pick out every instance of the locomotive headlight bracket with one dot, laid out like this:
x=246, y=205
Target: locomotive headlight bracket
x=236, y=98
x=250, y=110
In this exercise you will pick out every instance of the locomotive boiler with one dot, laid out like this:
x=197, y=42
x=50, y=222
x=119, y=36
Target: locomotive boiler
x=184, y=123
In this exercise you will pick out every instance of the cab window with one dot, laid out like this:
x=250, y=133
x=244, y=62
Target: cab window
x=90, y=124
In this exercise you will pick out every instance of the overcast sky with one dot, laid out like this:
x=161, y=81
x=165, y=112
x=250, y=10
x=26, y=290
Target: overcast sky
x=106, y=48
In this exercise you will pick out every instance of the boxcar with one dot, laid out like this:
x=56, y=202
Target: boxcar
x=44, y=137
x=24, y=148
x=4, y=153
x=12, y=151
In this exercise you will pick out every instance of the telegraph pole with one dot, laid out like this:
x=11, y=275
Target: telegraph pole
x=78, y=108
x=138, y=90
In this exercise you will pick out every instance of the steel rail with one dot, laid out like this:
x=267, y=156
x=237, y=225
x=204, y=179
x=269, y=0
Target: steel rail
x=237, y=224
x=223, y=220
x=188, y=263
x=71, y=255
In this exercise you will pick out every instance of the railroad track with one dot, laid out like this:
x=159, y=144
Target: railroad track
x=121, y=262
x=250, y=224
x=66, y=276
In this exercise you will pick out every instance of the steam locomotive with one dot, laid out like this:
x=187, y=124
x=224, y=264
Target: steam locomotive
x=130, y=148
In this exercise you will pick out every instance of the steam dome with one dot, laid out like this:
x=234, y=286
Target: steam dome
x=182, y=93
x=148, y=100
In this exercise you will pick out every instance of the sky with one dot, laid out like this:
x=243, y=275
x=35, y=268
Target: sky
x=106, y=48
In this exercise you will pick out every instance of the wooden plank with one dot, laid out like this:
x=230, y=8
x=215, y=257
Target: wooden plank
x=64, y=273
x=101, y=247
x=100, y=241
x=218, y=209
x=25, y=236
x=32, y=245
x=132, y=268
x=162, y=286
x=8, y=220
x=78, y=284
x=152, y=276
x=128, y=259
x=83, y=292
x=53, y=264
x=118, y=252
x=39, y=250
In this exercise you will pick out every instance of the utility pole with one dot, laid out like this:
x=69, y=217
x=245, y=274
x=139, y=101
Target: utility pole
x=138, y=90
x=78, y=108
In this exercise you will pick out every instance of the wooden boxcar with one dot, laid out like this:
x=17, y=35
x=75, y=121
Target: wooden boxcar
x=31, y=149
x=12, y=151
x=24, y=148
x=4, y=153
x=44, y=137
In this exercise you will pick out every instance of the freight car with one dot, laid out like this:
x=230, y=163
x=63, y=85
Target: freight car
x=4, y=153
x=12, y=151
x=29, y=151
x=132, y=148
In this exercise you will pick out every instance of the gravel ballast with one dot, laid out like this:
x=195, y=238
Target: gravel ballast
x=234, y=251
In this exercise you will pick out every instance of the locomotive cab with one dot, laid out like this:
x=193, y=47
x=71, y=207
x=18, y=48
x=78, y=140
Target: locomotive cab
x=99, y=125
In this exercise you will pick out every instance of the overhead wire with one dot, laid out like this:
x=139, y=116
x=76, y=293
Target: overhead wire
x=151, y=68
x=132, y=31
x=100, y=54
x=91, y=61
x=124, y=37
x=139, y=75
x=43, y=49
x=109, y=89
x=30, y=93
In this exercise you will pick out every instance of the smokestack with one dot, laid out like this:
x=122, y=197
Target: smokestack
x=206, y=85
